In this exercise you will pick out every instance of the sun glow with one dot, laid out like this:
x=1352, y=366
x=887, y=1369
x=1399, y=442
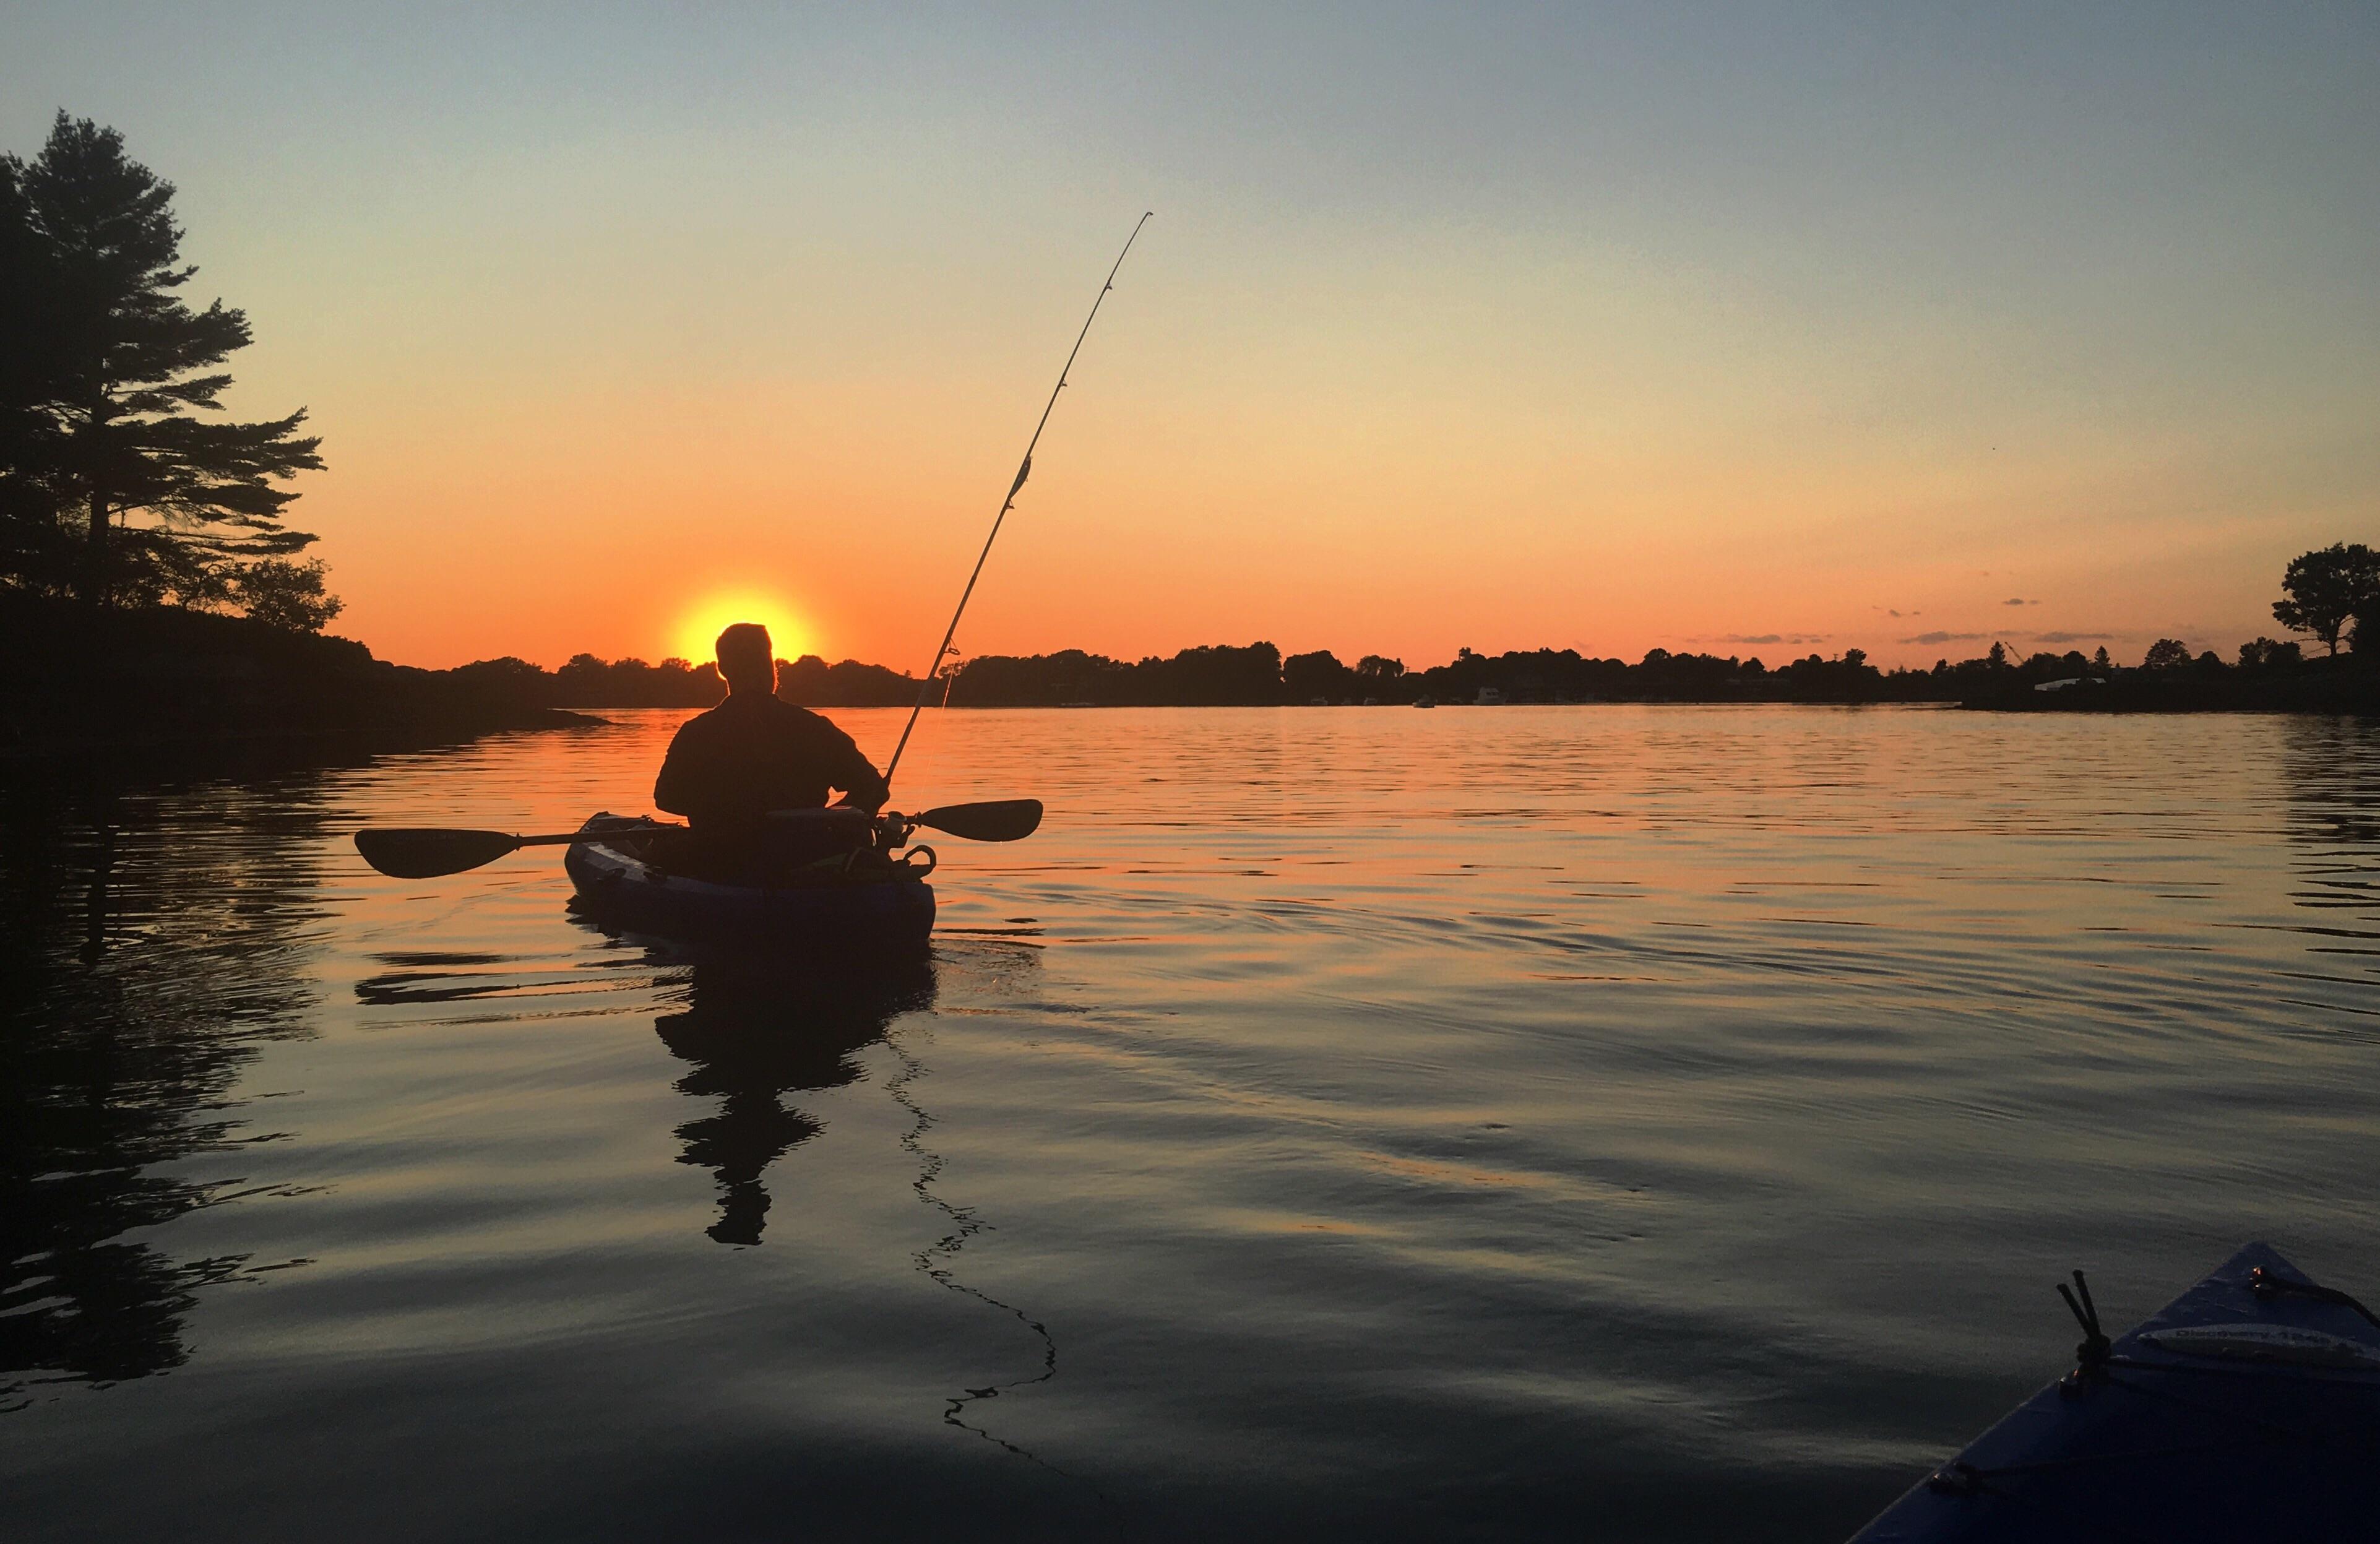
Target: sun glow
x=699, y=632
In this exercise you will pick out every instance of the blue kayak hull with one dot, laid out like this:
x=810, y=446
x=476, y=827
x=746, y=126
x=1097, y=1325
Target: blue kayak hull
x=2233, y=1414
x=614, y=885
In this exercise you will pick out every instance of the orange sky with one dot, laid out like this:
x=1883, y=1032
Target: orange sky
x=1731, y=331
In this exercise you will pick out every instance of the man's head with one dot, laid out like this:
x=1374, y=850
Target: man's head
x=746, y=659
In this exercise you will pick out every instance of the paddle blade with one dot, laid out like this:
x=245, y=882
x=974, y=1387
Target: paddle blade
x=426, y=852
x=998, y=820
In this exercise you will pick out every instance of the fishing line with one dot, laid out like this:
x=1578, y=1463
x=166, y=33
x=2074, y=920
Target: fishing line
x=1025, y=469
x=939, y=1262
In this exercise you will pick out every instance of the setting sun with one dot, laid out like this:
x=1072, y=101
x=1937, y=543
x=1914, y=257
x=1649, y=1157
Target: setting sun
x=695, y=635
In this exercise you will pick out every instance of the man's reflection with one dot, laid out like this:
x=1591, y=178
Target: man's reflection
x=750, y=1034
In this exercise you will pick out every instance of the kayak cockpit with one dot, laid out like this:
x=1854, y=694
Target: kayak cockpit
x=811, y=883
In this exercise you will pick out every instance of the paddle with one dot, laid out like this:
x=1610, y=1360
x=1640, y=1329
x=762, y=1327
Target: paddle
x=430, y=851
x=993, y=820
x=427, y=852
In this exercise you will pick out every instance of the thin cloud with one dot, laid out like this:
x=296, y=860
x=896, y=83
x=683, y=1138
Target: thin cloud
x=1947, y=637
x=1764, y=637
x=2019, y=601
x=2071, y=637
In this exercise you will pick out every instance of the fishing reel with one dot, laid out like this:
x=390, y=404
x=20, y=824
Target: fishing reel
x=890, y=834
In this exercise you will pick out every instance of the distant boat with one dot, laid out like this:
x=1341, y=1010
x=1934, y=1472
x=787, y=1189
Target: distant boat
x=1424, y=702
x=1490, y=697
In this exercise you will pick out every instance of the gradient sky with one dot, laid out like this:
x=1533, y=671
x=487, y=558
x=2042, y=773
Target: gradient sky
x=1757, y=328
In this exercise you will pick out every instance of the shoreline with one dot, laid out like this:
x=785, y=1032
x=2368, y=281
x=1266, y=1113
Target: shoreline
x=163, y=687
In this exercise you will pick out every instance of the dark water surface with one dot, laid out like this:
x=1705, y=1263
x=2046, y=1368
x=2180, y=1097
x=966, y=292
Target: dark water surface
x=1563, y=1123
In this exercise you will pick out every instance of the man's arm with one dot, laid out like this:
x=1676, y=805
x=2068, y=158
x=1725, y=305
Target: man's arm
x=863, y=786
x=674, y=789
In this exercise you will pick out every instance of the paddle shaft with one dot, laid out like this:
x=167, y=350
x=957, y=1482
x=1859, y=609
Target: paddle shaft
x=564, y=838
x=1024, y=469
x=416, y=852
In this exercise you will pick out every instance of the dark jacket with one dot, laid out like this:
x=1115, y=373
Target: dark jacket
x=729, y=767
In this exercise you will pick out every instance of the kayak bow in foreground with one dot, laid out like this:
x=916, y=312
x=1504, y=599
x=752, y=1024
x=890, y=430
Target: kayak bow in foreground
x=2248, y=1407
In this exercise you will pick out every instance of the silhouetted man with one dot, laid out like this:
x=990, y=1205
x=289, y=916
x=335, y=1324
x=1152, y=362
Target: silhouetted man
x=753, y=753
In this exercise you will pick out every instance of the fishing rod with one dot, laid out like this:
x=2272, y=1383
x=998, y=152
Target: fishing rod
x=926, y=687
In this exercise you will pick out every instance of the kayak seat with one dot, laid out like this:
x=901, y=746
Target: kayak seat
x=795, y=838
x=793, y=847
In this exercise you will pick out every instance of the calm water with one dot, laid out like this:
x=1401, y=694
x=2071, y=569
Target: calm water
x=1519, y=1122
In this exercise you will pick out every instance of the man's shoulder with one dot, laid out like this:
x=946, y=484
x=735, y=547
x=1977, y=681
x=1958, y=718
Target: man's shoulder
x=728, y=719
x=746, y=713
x=700, y=724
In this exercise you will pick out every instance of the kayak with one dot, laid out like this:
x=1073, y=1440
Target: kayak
x=826, y=905
x=2247, y=1408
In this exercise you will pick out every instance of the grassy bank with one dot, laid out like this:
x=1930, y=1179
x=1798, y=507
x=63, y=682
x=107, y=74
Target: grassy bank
x=78, y=680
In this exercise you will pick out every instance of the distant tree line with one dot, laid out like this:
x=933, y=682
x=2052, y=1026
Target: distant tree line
x=2329, y=593
x=585, y=681
x=120, y=483
x=1257, y=674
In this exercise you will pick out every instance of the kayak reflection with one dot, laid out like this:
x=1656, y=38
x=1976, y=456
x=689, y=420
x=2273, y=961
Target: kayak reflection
x=750, y=1034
